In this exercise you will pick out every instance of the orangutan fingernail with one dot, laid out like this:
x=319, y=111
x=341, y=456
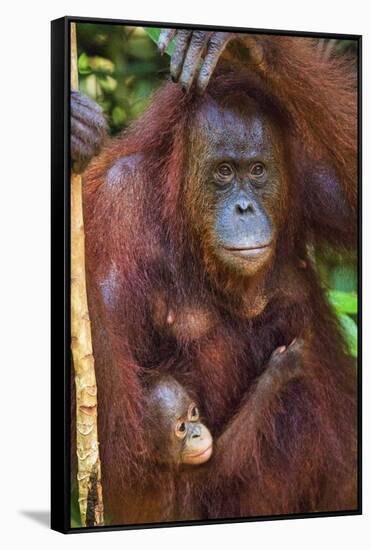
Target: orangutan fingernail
x=279, y=350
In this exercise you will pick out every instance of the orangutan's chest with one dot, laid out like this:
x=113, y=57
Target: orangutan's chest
x=185, y=322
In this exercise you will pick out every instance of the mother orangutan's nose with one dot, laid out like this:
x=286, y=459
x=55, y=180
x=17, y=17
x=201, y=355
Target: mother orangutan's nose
x=244, y=206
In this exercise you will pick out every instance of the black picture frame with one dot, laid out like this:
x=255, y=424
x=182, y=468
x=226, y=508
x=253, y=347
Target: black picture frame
x=60, y=273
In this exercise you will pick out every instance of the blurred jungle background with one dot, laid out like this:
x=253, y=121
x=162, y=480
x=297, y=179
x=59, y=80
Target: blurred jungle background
x=120, y=67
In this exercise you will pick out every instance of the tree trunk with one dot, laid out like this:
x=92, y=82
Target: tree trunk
x=89, y=470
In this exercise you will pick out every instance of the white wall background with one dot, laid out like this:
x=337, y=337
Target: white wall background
x=24, y=272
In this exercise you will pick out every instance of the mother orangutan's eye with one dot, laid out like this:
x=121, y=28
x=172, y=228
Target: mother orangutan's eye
x=225, y=172
x=257, y=169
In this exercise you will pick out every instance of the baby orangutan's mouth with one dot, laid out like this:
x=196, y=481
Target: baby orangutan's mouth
x=199, y=458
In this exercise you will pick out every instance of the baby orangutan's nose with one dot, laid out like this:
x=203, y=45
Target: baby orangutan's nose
x=196, y=432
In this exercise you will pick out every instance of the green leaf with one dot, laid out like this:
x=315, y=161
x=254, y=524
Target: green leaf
x=344, y=277
x=75, y=510
x=141, y=48
x=118, y=116
x=107, y=83
x=101, y=65
x=84, y=64
x=350, y=332
x=154, y=34
x=344, y=302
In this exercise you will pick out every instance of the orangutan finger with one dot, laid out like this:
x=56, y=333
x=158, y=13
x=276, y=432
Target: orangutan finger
x=177, y=58
x=216, y=45
x=192, y=59
x=297, y=345
x=165, y=38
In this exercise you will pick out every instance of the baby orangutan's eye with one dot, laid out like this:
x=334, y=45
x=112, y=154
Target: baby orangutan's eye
x=193, y=413
x=180, y=430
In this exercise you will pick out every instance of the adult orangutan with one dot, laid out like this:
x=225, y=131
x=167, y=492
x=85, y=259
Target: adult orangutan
x=198, y=222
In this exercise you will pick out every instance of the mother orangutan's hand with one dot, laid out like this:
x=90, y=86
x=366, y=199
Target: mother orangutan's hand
x=190, y=48
x=197, y=53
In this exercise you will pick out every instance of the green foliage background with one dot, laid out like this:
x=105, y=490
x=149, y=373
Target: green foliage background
x=120, y=68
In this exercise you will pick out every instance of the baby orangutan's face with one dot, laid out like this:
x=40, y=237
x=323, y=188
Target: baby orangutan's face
x=193, y=436
x=178, y=435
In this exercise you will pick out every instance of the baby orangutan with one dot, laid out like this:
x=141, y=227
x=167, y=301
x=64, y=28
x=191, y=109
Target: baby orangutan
x=176, y=433
x=178, y=441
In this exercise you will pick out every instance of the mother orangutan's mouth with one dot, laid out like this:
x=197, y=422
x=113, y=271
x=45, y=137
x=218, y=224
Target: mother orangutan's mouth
x=248, y=251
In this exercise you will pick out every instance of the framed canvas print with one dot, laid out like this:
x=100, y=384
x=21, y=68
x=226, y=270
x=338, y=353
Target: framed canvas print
x=205, y=274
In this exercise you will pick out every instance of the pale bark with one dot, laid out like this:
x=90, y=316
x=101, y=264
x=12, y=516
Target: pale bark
x=87, y=446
